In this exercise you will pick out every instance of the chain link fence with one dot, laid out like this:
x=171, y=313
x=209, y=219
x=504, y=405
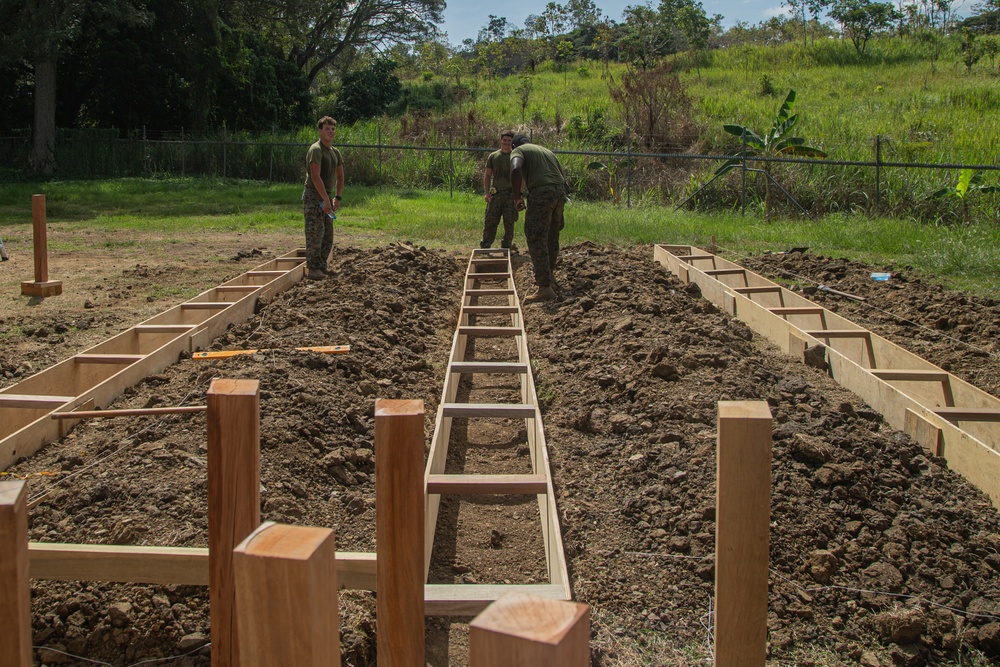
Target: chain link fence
x=624, y=177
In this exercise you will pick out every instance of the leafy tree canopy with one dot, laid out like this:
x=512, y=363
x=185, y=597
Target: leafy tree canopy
x=368, y=92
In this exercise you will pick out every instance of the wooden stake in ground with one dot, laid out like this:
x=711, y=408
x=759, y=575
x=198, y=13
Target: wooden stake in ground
x=42, y=286
x=399, y=532
x=15, y=587
x=233, y=500
x=524, y=630
x=286, y=593
x=742, y=523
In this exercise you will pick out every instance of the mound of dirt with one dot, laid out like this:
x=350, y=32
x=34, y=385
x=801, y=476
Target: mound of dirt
x=879, y=554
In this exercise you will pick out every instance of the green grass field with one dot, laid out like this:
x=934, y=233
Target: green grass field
x=962, y=256
x=914, y=93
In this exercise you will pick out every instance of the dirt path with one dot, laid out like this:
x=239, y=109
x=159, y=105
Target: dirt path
x=879, y=555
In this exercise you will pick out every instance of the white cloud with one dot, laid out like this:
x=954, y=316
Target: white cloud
x=771, y=12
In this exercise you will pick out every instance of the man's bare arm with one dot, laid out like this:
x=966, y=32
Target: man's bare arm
x=317, y=180
x=487, y=181
x=340, y=186
x=517, y=179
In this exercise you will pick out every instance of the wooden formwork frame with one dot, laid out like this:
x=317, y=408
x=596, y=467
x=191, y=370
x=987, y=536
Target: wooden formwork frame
x=489, y=273
x=948, y=416
x=95, y=377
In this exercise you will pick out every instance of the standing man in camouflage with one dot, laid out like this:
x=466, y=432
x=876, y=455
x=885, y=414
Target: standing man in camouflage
x=324, y=173
x=499, y=198
x=538, y=169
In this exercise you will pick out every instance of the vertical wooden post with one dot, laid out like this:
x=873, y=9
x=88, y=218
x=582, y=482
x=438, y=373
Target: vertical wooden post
x=15, y=587
x=286, y=593
x=41, y=286
x=524, y=630
x=742, y=516
x=233, y=500
x=40, y=238
x=399, y=532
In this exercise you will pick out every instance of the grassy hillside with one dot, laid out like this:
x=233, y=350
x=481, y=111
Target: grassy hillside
x=915, y=93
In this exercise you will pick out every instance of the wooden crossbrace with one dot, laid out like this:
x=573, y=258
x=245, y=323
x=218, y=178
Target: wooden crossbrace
x=468, y=599
x=108, y=358
x=33, y=401
x=947, y=415
x=95, y=377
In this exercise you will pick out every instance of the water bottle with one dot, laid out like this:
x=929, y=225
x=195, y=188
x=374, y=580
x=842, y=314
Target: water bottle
x=881, y=277
x=331, y=214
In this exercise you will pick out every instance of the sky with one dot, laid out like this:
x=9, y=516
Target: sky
x=464, y=18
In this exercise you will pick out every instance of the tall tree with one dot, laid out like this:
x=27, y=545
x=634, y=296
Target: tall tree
x=643, y=40
x=582, y=13
x=34, y=30
x=318, y=34
x=861, y=19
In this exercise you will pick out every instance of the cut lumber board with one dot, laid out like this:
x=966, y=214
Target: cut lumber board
x=488, y=310
x=34, y=401
x=163, y=328
x=969, y=414
x=509, y=411
x=488, y=367
x=839, y=333
x=489, y=292
x=470, y=599
x=160, y=565
x=108, y=358
x=490, y=332
x=487, y=484
x=128, y=412
x=910, y=375
x=238, y=288
x=206, y=305
x=798, y=310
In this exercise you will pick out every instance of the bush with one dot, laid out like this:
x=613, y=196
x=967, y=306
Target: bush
x=369, y=92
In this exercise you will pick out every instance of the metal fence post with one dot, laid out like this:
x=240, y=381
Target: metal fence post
x=379, y=155
x=145, y=153
x=878, y=172
x=628, y=165
x=743, y=176
x=183, y=154
x=451, y=166
x=270, y=167
x=225, y=151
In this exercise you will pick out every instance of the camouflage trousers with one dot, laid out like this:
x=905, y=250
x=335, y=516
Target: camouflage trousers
x=542, y=223
x=501, y=205
x=319, y=230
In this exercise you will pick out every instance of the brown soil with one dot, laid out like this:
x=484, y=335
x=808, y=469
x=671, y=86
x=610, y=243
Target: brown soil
x=879, y=554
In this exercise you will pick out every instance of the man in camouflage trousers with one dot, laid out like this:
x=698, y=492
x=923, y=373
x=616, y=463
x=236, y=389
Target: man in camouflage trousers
x=324, y=175
x=538, y=169
x=498, y=195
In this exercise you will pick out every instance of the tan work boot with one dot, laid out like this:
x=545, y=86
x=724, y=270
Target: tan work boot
x=545, y=293
x=315, y=274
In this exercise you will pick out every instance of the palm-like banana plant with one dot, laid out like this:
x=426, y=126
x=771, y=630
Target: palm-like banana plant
x=969, y=181
x=776, y=142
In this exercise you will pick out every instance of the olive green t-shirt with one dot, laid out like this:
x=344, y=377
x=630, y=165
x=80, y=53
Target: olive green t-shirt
x=499, y=162
x=541, y=167
x=328, y=160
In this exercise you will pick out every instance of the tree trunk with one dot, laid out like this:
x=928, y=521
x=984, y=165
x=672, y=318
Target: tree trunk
x=42, y=158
